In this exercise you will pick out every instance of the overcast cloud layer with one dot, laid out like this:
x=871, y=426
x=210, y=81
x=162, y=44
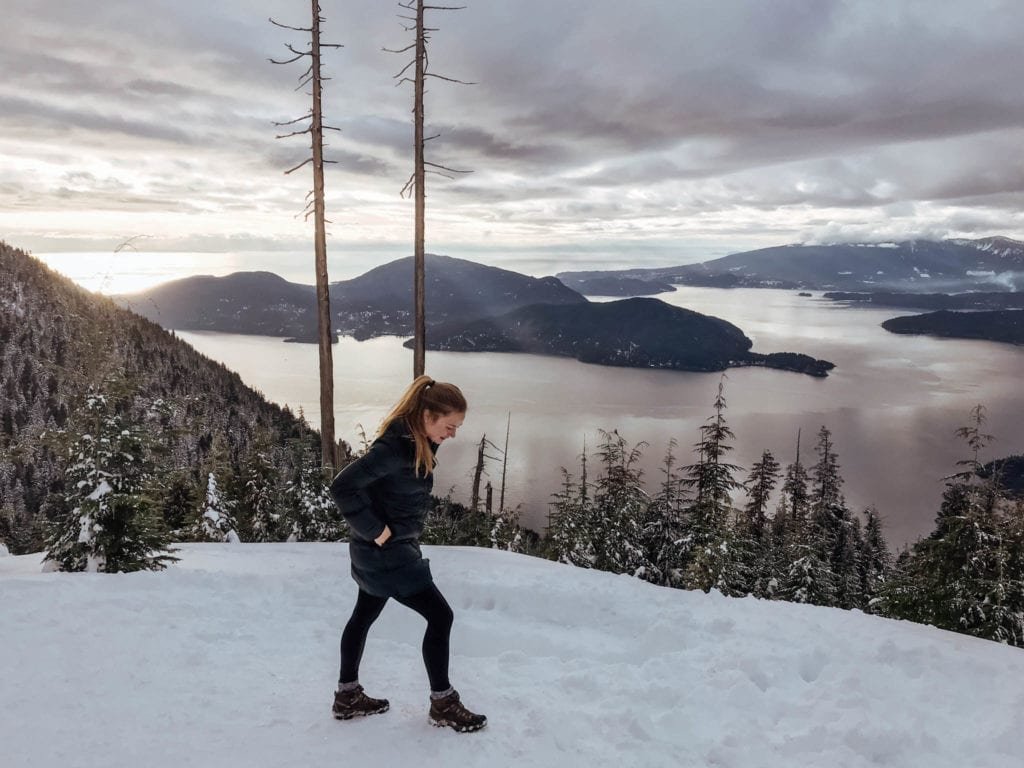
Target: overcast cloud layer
x=650, y=132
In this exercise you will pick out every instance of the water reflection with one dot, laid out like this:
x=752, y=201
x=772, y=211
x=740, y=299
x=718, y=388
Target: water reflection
x=893, y=402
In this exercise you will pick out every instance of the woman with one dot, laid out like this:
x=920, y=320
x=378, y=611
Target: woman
x=383, y=496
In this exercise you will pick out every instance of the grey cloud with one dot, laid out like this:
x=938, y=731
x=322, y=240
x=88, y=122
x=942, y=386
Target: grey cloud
x=65, y=120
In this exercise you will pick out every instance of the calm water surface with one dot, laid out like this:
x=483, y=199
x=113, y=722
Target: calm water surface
x=892, y=403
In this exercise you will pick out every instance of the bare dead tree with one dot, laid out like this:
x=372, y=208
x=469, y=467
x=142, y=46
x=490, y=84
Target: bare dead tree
x=417, y=182
x=330, y=450
x=504, y=465
x=479, y=470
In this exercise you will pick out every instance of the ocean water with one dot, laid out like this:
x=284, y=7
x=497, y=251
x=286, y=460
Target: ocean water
x=893, y=403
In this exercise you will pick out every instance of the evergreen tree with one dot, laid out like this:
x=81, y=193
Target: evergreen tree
x=176, y=497
x=711, y=562
x=966, y=575
x=309, y=512
x=875, y=560
x=506, y=532
x=259, y=508
x=753, y=535
x=619, y=508
x=662, y=532
x=216, y=521
x=789, y=533
x=109, y=525
x=569, y=536
x=831, y=532
x=801, y=566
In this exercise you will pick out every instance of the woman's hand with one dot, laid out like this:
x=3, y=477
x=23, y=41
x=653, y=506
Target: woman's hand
x=381, y=540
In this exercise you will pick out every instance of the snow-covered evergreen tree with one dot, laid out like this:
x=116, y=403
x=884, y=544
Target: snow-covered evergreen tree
x=216, y=521
x=569, y=536
x=619, y=508
x=662, y=533
x=711, y=561
x=831, y=532
x=789, y=529
x=506, y=532
x=875, y=560
x=310, y=513
x=753, y=534
x=966, y=576
x=259, y=512
x=109, y=525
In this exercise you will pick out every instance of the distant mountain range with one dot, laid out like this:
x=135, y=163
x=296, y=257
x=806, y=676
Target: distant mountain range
x=376, y=303
x=987, y=264
x=470, y=307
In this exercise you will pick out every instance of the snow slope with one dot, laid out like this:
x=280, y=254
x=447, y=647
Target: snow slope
x=229, y=658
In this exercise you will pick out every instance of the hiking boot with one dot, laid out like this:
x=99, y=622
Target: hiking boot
x=355, y=703
x=449, y=712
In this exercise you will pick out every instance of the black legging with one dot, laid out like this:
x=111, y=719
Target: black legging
x=430, y=604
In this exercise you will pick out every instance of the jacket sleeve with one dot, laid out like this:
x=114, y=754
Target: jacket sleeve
x=348, y=489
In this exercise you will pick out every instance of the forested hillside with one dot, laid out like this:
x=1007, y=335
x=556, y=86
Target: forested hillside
x=61, y=347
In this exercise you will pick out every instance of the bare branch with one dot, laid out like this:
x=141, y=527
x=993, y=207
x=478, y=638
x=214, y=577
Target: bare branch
x=401, y=50
x=304, y=162
x=294, y=133
x=405, y=68
x=331, y=128
x=287, y=61
x=449, y=79
x=409, y=186
x=445, y=167
x=306, y=116
x=444, y=7
x=285, y=26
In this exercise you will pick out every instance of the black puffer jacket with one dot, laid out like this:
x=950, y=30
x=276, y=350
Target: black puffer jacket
x=378, y=489
x=381, y=488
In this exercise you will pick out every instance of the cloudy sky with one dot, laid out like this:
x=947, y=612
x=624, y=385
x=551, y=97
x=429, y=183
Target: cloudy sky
x=599, y=132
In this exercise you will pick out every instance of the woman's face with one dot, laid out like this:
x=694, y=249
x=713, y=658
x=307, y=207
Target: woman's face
x=440, y=427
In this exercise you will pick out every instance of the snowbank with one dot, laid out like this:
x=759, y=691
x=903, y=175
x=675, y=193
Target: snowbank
x=229, y=658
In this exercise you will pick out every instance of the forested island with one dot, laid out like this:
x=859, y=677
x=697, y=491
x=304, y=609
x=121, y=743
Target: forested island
x=637, y=332
x=1006, y=325
x=951, y=301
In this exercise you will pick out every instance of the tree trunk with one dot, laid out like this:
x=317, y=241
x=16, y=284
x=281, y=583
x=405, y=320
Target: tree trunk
x=328, y=447
x=504, y=465
x=420, y=342
x=475, y=502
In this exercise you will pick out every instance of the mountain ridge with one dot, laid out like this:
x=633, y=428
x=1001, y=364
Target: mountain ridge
x=378, y=302
x=986, y=264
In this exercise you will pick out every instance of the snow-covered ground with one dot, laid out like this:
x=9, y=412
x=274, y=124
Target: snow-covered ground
x=229, y=658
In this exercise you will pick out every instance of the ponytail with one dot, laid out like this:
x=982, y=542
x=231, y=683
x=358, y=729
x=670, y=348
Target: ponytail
x=424, y=394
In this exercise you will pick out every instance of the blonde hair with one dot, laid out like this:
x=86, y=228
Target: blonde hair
x=424, y=394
